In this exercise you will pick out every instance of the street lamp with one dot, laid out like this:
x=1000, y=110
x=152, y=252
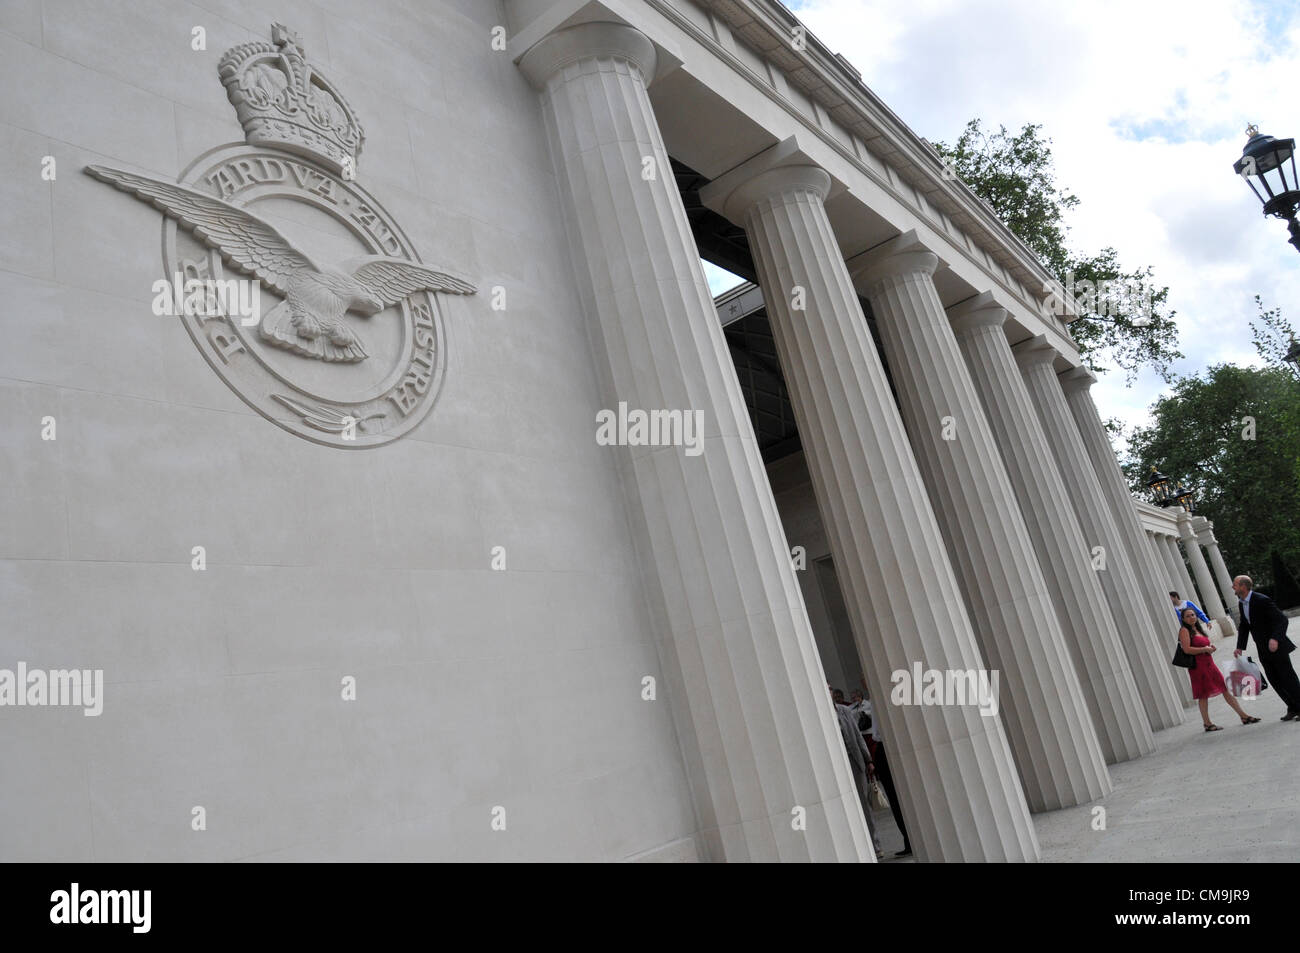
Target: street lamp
x=1184, y=497
x=1158, y=484
x=1268, y=167
x=1292, y=356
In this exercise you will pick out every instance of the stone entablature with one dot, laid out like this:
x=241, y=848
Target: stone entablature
x=1155, y=519
x=835, y=101
x=881, y=171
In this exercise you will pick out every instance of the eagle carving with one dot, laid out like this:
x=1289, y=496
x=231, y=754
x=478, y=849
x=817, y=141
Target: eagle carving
x=310, y=319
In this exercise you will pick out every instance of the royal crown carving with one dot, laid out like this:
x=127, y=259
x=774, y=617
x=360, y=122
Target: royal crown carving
x=282, y=101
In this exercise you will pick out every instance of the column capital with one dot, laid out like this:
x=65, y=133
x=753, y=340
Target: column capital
x=1204, y=530
x=1034, y=351
x=779, y=181
x=587, y=41
x=900, y=256
x=1077, y=379
x=1185, y=530
x=980, y=311
x=782, y=168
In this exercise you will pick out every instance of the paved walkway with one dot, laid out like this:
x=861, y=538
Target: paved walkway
x=1231, y=795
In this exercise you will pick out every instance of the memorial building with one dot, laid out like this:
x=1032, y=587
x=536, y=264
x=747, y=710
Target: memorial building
x=370, y=428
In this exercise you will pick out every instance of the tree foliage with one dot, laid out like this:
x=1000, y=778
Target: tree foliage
x=1124, y=319
x=1271, y=334
x=1286, y=591
x=1201, y=433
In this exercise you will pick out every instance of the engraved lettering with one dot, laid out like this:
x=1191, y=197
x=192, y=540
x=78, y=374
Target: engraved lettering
x=222, y=182
x=244, y=169
x=272, y=169
x=325, y=189
x=364, y=217
x=302, y=175
x=225, y=344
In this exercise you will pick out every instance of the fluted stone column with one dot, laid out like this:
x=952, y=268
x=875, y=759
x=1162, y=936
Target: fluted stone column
x=1077, y=383
x=1184, y=685
x=955, y=773
x=1168, y=580
x=1157, y=540
x=1155, y=596
x=1051, y=732
x=1091, y=635
x=1185, y=584
x=1175, y=583
x=1159, y=697
x=1210, y=600
x=757, y=730
x=1205, y=536
x=1170, y=572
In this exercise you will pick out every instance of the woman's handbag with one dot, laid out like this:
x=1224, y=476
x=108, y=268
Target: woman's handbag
x=1181, y=658
x=876, y=799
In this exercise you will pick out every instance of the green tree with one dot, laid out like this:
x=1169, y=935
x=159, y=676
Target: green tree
x=1124, y=319
x=1286, y=591
x=1272, y=336
x=1227, y=433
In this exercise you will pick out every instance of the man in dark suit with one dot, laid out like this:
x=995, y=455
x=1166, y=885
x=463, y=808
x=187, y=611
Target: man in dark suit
x=1261, y=617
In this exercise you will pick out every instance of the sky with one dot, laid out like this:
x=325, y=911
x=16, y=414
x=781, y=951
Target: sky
x=1146, y=103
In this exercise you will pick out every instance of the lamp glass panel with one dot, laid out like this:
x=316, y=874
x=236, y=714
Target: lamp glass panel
x=1274, y=180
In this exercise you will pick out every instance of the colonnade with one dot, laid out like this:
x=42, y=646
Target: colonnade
x=1183, y=534
x=978, y=522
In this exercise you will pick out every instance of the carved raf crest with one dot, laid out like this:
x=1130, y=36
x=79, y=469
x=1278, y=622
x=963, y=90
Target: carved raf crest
x=351, y=355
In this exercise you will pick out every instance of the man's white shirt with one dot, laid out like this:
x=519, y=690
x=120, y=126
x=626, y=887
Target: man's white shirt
x=865, y=706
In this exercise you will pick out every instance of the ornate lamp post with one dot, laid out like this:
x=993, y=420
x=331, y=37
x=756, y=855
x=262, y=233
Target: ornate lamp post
x=1268, y=166
x=1165, y=492
x=1159, y=486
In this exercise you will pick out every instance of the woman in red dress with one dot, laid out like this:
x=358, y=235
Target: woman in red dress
x=1207, y=680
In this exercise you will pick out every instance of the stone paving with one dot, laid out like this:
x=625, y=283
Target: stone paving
x=1231, y=795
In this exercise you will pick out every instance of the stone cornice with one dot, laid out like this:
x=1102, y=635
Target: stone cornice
x=1156, y=519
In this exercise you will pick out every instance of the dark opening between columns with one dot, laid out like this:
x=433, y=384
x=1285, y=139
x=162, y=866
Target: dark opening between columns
x=749, y=337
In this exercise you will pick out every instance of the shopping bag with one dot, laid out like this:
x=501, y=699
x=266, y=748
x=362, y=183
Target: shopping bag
x=1244, y=678
x=1263, y=682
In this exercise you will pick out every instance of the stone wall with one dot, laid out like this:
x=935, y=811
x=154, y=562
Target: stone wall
x=475, y=687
